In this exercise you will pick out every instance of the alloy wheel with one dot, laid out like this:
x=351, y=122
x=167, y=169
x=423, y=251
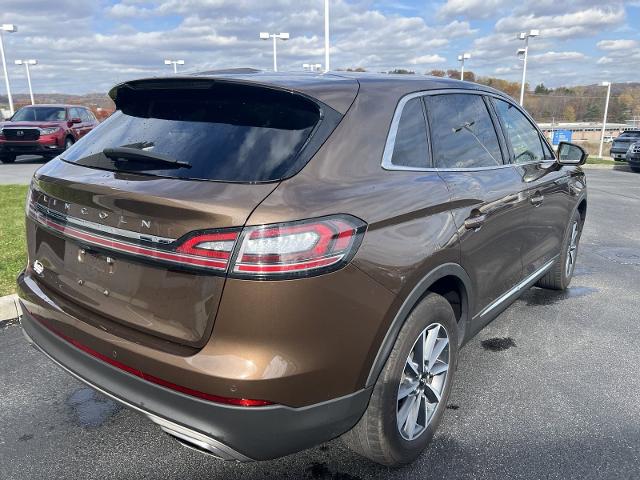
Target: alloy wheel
x=423, y=381
x=572, y=250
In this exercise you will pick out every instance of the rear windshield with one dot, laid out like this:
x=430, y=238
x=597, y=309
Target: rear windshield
x=39, y=114
x=224, y=132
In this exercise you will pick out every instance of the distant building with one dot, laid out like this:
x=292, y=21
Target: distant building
x=585, y=131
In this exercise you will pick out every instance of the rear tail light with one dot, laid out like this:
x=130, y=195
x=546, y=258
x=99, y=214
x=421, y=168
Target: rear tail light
x=297, y=249
x=276, y=251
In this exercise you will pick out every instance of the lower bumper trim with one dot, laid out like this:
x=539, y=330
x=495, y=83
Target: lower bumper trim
x=183, y=434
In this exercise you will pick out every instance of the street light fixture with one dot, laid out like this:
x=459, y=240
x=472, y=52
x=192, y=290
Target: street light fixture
x=606, y=109
x=461, y=59
x=524, y=52
x=275, y=36
x=312, y=67
x=175, y=64
x=9, y=28
x=26, y=64
x=326, y=36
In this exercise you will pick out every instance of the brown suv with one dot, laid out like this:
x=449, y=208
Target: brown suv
x=262, y=262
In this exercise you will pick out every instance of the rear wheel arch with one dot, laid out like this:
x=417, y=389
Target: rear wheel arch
x=450, y=281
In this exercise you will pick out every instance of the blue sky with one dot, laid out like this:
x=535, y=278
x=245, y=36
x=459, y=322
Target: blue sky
x=87, y=46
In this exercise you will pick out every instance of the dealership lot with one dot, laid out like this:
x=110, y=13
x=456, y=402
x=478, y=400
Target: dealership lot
x=21, y=171
x=549, y=390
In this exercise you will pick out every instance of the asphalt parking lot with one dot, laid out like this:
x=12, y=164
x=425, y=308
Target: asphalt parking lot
x=549, y=390
x=20, y=171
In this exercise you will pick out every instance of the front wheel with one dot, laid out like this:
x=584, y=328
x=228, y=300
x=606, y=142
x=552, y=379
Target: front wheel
x=635, y=168
x=68, y=142
x=560, y=275
x=410, y=396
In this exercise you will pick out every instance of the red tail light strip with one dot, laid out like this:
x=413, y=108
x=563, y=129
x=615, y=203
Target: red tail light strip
x=219, y=264
x=241, y=402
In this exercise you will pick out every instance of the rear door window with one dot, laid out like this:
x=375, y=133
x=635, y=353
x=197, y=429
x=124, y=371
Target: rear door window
x=227, y=132
x=411, y=148
x=462, y=132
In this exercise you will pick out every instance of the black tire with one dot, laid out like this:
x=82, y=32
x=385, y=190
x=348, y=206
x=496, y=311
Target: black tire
x=560, y=275
x=634, y=168
x=377, y=435
x=8, y=159
x=68, y=142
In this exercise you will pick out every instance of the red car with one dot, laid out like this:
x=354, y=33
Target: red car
x=45, y=130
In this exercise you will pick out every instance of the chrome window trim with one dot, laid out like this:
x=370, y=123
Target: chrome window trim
x=387, y=154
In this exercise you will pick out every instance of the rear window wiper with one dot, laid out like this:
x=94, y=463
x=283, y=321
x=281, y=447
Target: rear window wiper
x=137, y=155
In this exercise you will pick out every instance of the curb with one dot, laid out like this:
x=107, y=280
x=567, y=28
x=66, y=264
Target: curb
x=598, y=166
x=10, y=310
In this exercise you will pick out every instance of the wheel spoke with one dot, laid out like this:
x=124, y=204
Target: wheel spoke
x=432, y=336
x=419, y=353
x=414, y=410
x=403, y=413
x=432, y=394
x=413, y=368
x=439, y=368
x=440, y=345
x=407, y=385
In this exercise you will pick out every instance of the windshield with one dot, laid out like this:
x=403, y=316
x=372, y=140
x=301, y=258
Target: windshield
x=226, y=133
x=630, y=135
x=39, y=114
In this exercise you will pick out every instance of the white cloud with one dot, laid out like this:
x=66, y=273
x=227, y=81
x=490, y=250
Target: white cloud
x=604, y=60
x=578, y=23
x=553, y=57
x=472, y=9
x=426, y=59
x=617, y=44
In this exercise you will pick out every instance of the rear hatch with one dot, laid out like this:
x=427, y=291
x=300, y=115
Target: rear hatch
x=137, y=221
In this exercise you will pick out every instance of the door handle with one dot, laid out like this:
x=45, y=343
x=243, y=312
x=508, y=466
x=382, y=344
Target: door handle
x=475, y=222
x=537, y=199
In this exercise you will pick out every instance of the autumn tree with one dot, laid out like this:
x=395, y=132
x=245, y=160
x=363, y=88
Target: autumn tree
x=569, y=113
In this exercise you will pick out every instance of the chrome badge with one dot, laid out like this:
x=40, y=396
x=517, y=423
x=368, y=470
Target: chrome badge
x=38, y=267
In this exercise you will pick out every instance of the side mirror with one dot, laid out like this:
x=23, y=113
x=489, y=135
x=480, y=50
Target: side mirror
x=76, y=120
x=571, y=154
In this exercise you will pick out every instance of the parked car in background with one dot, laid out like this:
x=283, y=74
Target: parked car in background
x=263, y=262
x=608, y=139
x=621, y=144
x=45, y=130
x=633, y=157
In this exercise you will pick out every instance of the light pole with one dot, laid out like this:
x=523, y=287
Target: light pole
x=461, y=59
x=26, y=64
x=326, y=36
x=275, y=36
x=525, y=52
x=604, y=121
x=175, y=64
x=312, y=67
x=9, y=28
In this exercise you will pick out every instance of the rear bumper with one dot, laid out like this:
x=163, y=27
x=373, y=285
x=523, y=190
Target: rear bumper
x=227, y=432
x=618, y=154
x=633, y=159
